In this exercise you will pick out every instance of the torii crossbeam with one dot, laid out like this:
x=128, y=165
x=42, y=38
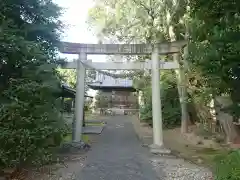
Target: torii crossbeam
x=121, y=65
x=124, y=49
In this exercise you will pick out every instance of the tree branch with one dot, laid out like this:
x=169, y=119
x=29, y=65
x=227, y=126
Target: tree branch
x=175, y=10
x=137, y=2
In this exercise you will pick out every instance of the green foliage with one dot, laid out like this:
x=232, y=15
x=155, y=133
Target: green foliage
x=68, y=105
x=101, y=100
x=29, y=36
x=214, y=46
x=69, y=76
x=29, y=85
x=227, y=166
x=170, y=102
x=146, y=112
x=30, y=121
x=122, y=20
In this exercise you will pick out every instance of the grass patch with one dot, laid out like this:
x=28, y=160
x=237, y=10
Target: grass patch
x=190, y=150
x=94, y=124
x=85, y=138
x=201, y=156
x=208, y=155
x=209, y=151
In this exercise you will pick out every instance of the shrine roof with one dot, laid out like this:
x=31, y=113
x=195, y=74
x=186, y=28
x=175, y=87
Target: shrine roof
x=67, y=91
x=104, y=82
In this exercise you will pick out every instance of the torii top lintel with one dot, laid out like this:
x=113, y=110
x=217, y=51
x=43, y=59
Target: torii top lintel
x=125, y=49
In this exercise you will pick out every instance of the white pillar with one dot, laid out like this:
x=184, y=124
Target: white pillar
x=79, y=103
x=156, y=101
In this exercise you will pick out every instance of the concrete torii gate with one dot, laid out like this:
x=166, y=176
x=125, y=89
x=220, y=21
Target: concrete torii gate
x=122, y=49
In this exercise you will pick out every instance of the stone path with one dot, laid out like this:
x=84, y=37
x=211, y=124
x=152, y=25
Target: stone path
x=118, y=155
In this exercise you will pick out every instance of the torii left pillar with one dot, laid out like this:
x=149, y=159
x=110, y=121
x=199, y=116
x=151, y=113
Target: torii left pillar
x=80, y=92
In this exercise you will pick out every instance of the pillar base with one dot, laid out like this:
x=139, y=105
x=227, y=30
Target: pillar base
x=74, y=147
x=156, y=149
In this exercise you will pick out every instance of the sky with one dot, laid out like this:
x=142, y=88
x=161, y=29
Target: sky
x=75, y=16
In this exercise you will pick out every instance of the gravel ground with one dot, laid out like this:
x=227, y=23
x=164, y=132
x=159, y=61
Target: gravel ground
x=179, y=169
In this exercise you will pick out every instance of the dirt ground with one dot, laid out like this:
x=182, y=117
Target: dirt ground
x=189, y=146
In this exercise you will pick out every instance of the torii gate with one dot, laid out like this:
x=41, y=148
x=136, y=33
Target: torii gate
x=122, y=49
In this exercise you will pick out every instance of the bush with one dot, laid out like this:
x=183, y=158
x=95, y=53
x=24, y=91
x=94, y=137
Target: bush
x=30, y=123
x=228, y=166
x=170, y=103
x=67, y=105
x=29, y=85
x=171, y=116
x=146, y=113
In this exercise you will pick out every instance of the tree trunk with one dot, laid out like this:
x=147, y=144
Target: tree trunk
x=225, y=119
x=181, y=84
x=212, y=111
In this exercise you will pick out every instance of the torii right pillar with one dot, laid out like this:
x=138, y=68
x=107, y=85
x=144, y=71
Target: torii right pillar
x=157, y=146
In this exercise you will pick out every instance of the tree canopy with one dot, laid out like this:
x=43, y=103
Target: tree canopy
x=29, y=83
